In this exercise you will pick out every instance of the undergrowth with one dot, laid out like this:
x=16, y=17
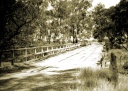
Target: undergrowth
x=100, y=80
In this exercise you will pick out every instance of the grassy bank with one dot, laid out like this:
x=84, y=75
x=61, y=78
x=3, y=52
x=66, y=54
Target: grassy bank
x=101, y=80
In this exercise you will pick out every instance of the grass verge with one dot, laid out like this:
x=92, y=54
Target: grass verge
x=100, y=80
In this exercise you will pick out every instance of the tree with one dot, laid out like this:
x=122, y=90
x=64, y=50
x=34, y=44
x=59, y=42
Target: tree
x=18, y=17
x=100, y=21
x=119, y=17
x=78, y=17
x=22, y=17
x=112, y=22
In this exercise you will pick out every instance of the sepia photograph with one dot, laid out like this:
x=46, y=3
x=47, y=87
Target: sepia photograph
x=63, y=45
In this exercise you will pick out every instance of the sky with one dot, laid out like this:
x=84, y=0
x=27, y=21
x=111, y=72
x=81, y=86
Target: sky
x=107, y=3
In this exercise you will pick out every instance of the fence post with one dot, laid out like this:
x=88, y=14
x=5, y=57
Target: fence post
x=52, y=50
x=0, y=58
x=101, y=61
x=35, y=53
x=26, y=53
x=0, y=62
x=113, y=69
x=12, y=61
x=48, y=50
x=63, y=48
x=42, y=51
x=60, y=48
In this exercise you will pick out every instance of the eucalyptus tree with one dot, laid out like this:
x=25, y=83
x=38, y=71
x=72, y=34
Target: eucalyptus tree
x=78, y=17
x=100, y=21
x=118, y=15
x=8, y=16
x=58, y=15
x=112, y=23
x=18, y=19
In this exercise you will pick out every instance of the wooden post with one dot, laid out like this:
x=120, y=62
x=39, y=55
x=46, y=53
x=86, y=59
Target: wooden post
x=52, y=50
x=47, y=51
x=64, y=47
x=26, y=53
x=101, y=61
x=42, y=51
x=113, y=69
x=12, y=61
x=0, y=62
x=35, y=53
x=0, y=58
x=60, y=49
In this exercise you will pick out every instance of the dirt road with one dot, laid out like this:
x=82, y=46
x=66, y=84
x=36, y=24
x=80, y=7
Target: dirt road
x=55, y=73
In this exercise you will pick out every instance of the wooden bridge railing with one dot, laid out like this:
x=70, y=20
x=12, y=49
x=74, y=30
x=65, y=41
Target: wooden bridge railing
x=34, y=53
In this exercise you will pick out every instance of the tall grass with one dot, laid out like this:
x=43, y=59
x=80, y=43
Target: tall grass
x=100, y=80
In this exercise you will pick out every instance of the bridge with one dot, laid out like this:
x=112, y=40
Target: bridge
x=62, y=68
x=34, y=53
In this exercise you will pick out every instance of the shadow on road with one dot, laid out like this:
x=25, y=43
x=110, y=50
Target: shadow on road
x=66, y=80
